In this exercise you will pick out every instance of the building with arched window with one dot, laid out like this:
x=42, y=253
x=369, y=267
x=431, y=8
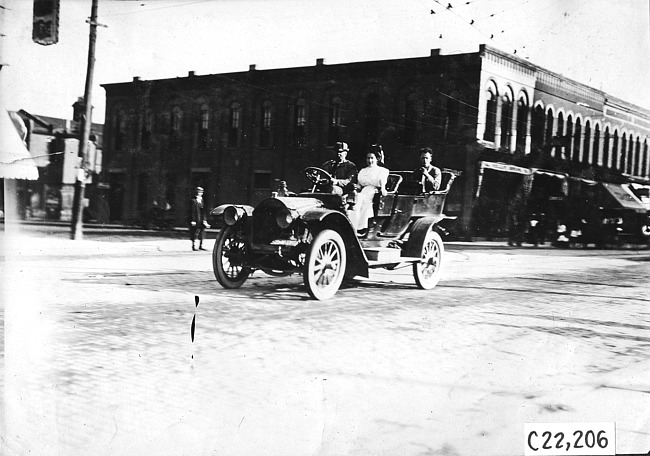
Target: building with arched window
x=238, y=134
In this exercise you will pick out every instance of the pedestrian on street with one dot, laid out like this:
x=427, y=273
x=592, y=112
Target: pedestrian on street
x=197, y=219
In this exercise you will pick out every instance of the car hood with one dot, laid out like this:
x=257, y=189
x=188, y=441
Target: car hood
x=294, y=203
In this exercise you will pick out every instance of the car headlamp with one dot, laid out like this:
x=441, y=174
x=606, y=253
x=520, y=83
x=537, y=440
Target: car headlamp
x=232, y=215
x=284, y=218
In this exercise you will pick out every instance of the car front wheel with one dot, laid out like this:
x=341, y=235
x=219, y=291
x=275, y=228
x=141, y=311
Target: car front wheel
x=228, y=257
x=325, y=265
x=427, y=270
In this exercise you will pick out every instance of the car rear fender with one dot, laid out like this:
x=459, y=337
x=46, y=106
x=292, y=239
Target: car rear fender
x=319, y=220
x=418, y=232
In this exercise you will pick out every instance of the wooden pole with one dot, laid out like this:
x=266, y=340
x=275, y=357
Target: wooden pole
x=84, y=127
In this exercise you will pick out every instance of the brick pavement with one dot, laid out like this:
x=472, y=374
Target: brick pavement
x=101, y=361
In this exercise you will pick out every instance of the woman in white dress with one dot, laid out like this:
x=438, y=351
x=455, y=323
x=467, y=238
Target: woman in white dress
x=371, y=180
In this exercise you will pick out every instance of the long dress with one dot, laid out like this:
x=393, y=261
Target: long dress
x=370, y=179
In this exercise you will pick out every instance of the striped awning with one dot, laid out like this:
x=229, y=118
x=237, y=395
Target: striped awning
x=15, y=160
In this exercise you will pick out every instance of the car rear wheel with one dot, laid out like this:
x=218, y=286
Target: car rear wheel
x=228, y=257
x=325, y=265
x=427, y=270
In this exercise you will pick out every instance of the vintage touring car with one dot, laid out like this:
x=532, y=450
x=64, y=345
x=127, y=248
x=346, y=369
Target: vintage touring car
x=310, y=233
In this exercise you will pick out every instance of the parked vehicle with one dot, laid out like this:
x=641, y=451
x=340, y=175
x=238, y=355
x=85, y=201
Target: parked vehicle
x=310, y=233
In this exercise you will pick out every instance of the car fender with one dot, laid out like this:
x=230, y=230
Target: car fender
x=417, y=235
x=219, y=209
x=319, y=220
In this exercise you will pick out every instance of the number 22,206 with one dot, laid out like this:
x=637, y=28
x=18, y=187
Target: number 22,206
x=566, y=438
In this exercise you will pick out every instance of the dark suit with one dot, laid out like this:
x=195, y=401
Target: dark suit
x=196, y=215
x=345, y=174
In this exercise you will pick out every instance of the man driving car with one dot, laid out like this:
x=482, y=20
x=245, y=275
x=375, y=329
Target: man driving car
x=342, y=170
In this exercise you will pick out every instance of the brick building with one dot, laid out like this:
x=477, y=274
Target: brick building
x=238, y=134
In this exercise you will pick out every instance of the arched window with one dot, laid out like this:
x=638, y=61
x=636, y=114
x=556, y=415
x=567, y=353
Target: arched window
x=596, y=146
x=522, y=122
x=637, y=158
x=548, y=134
x=557, y=140
x=537, y=129
x=234, y=124
x=490, y=115
x=585, y=143
x=623, y=153
x=335, y=121
x=616, y=155
x=300, y=122
x=568, y=137
x=266, y=136
x=506, y=121
x=204, y=125
x=629, y=155
x=606, y=152
x=577, y=135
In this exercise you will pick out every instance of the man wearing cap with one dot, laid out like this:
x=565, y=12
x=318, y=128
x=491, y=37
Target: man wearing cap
x=197, y=219
x=342, y=170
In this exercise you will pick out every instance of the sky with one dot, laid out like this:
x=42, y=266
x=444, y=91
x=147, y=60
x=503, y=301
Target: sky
x=601, y=43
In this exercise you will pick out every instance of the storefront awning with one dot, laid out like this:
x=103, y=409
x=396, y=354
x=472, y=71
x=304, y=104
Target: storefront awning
x=624, y=197
x=15, y=160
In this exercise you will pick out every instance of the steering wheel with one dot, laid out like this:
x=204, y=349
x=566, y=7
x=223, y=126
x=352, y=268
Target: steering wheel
x=318, y=176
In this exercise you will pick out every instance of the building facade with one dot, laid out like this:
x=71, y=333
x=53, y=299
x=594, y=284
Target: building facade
x=54, y=145
x=238, y=134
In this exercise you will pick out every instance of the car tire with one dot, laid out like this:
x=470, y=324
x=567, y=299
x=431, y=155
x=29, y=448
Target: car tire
x=230, y=251
x=325, y=265
x=427, y=270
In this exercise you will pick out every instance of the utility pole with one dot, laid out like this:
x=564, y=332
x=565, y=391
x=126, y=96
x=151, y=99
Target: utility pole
x=84, y=127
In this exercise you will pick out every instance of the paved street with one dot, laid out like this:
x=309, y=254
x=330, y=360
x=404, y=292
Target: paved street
x=99, y=359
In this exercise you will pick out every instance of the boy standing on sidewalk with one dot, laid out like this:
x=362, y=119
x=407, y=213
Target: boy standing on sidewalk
x=197, y=219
